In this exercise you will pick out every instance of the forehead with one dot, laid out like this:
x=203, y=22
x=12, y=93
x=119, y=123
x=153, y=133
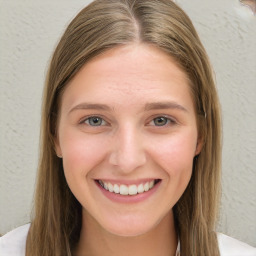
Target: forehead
x=144, y=59
x=137, y=70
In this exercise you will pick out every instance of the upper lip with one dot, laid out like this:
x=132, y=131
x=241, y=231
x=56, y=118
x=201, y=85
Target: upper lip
x=127, y=182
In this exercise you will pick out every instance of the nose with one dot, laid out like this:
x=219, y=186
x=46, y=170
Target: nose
x=127, y=152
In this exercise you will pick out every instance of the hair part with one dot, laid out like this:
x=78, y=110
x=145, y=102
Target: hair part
x=103, y=25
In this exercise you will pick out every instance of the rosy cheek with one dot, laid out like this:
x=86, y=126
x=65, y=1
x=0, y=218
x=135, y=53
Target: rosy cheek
x=175, y=154
x=82, y=152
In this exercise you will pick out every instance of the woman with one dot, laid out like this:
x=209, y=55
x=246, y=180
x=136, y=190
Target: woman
x=130, y=140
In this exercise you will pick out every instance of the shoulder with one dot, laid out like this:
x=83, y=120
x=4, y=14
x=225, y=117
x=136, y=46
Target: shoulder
x=14, y=242
x=232, y=247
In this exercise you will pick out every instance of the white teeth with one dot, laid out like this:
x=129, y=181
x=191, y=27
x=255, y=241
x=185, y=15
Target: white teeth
x=141, y=188
x=124, y=190
x=110, y=187
x=127, y=190
x=116, y=189
x=146, y=187
x=133, y=190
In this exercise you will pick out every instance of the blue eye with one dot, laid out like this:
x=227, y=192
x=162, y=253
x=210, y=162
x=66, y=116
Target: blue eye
x=95, y=121
x=162, y=121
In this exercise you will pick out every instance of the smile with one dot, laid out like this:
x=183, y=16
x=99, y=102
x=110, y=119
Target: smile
x=128, y=190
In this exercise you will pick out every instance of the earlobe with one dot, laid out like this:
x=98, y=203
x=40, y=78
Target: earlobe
x=58, y=155
x=199, y=146
x=57, y=147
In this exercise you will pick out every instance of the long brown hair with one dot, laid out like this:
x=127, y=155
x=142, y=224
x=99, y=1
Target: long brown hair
x=102, y=25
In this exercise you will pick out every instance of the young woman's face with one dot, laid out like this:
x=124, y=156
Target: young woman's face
x=127, y=133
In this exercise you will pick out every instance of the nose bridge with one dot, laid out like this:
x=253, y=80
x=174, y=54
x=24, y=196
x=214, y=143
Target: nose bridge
x=128, y=152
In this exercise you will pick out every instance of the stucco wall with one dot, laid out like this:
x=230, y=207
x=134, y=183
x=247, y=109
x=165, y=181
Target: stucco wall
x=29, y=31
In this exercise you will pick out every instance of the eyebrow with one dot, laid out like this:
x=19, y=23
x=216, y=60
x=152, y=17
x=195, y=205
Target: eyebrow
x=148, y=106
x=91, y=106
x=164, y=105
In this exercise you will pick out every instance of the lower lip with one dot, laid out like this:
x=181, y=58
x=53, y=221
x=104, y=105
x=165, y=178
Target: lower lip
x=127, y=198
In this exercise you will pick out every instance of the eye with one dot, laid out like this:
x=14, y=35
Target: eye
x=95, y=121
x=161, y=121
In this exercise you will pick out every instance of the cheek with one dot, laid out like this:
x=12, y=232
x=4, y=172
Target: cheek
x=81, y=152
x=175, y=154
x=175, y=159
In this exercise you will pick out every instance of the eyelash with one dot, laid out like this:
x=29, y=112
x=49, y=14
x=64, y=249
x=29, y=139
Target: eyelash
x=168, y=121
x=90, y=118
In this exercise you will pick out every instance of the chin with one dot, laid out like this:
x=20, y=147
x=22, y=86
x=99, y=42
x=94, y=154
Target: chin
x=129, y=228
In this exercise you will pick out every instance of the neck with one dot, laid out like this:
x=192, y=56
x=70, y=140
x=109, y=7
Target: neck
x=161, y=240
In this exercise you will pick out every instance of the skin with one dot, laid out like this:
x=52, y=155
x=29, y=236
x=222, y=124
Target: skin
x=136, y=83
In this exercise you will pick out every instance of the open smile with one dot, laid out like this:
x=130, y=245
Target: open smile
x=128, y=190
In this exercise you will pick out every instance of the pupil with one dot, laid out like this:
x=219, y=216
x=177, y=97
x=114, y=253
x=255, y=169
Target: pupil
x=95, y=121
x=160, y=121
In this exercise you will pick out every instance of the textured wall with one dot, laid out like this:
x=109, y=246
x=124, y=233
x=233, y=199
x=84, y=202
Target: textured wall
x=28, y=32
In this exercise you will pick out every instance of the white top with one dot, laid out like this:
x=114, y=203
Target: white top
x=14, y=242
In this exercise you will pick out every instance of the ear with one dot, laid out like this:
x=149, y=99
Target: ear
x=57, y=147
x=199, y=146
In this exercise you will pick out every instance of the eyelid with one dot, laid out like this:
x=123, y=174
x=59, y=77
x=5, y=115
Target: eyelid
x=82, y=120
x=169, y=118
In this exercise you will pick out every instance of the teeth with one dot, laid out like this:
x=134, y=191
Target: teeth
x=106, y=186
x=133, y=190
x=110, y=187
x=124, y=190
x=146, y=187
x=141, y=188
x=127, y=190
x=116, y=189
x=101, y=183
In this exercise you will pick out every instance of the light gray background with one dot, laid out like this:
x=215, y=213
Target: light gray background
x=29, y=30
